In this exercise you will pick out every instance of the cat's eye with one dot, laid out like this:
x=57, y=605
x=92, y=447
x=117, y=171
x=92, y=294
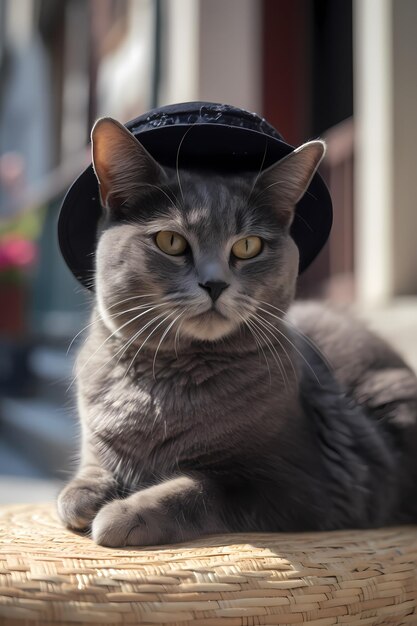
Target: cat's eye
x=170, y=242
x=247, y=248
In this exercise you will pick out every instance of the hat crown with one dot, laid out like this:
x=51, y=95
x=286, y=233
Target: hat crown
x=191, y=113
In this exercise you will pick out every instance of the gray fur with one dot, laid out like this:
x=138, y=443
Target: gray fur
x=231, y=420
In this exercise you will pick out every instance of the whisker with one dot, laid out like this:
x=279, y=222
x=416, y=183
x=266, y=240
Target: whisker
x=171, y=200
x=263, y=336
x=258, y=344
x=129, y=342
x=277, y=182
x=284, y=319
x=177, y=159
x=132, y=339
x=270, y=328
x=146, y=295
x=177, y=334
x=143, y=343
x=273, y=352
x=81, y=331
x=109, y=337
x=311, y=194
x=100, y=319
x=313, y=345
x=259, y=171
x=161, y=340
x=294, y=346
x=300, y=217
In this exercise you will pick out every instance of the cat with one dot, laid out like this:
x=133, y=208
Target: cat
x=209, y=401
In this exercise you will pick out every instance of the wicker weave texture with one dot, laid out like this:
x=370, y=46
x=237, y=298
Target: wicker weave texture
x=50, y=576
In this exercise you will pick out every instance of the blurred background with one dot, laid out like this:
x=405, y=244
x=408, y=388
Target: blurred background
x=344, y=70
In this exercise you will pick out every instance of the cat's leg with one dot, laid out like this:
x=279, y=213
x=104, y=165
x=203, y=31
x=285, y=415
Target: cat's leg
x=175, y=510
x=91, y=487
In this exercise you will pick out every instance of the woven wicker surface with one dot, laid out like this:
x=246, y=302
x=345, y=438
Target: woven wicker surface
x=51, y=576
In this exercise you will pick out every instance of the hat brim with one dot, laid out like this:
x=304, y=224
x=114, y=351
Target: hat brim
x=199, y=145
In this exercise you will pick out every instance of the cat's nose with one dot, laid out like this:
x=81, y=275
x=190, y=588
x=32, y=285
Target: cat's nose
x=214, y=288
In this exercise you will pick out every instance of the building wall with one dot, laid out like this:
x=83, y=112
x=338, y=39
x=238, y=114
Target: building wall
x=404, y=147
x=230, y=52
x=386, y=136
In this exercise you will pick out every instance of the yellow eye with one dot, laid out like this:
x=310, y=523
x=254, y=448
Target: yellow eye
x=170, y=242
x=247, y=248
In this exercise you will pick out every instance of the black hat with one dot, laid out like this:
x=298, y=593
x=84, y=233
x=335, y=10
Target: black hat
x=215, y=136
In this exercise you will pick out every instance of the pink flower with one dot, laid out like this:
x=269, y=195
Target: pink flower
x=16, y=252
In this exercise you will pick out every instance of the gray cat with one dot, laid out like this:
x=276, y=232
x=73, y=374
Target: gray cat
x=206, y=398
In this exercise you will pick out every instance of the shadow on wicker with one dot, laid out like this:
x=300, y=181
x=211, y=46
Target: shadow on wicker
x=50, y=576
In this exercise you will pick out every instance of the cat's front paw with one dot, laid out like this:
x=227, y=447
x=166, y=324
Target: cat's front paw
x=124, y=523
x=176, y=510
x=80, y=500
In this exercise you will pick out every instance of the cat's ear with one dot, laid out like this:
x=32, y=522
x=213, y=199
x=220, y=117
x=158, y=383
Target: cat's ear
x=121, y=163
x=284, y=183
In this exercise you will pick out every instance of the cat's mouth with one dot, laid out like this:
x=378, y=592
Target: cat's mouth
x=211, y=314
x=208, y=325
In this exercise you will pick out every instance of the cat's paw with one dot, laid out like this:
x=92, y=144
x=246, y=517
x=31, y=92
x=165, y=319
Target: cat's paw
x=126, y=523
x=80, y=500
x=176, y=510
